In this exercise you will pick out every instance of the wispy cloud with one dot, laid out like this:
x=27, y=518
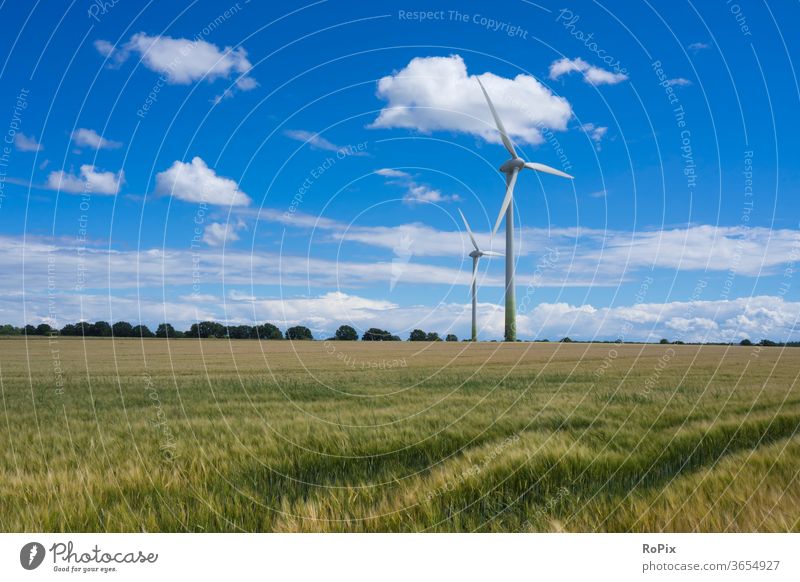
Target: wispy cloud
x=416, y=193
x=315, y=140
x=679, y=82
x=591, y=74
x=26, y=143
x=595, y=132
x=90, y=138
x=182, y=61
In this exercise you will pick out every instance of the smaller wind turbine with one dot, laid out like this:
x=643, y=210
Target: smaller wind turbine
x=476, y=255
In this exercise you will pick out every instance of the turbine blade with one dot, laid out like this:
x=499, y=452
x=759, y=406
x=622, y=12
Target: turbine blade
x=491, y=254
x=512, y=179
x=547, y=170
x=469, y=230
x=498, y=123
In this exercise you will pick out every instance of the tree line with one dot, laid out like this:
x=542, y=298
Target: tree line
x=267, y=331
x=212, y=329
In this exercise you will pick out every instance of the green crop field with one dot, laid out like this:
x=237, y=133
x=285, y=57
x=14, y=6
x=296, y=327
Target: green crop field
x=216, y=435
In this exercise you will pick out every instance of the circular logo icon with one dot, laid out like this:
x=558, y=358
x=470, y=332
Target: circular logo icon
x=31, y=555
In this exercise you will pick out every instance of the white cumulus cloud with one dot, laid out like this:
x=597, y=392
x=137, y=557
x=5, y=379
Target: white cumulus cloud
x=217, y=234
x=196, y=182
x=437, y=94
x=89, y=181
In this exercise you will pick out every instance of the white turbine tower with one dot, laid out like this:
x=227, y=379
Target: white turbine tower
x=476, y=255
x=511, y=168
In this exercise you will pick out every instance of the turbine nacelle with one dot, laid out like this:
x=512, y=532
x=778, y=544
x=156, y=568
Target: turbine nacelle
x=512, y=164
x=477, y=254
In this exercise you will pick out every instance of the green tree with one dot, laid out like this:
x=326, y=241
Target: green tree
x=242, y=332
x=208, y=329
x=451, y=337
x=417, y=336
x=29, y=330
x=346, y=333
x=566, y=340
x=43, y=329
x=664, y=341
x=299, y=332
x=745, y=342
x=122, y=329
x=165, y=330
x=432, y=337
x=141, y=331
x=267, y=331
x=375, y=334
x=70, y=329
x=98, y=329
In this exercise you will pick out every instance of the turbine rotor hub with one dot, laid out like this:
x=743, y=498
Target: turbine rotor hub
x=509, y=165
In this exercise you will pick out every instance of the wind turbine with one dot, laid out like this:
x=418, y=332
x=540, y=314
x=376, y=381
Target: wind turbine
x=511, y=168
x=476, y=256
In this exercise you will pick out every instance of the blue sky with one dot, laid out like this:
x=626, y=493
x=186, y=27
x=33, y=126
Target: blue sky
x=304, y=163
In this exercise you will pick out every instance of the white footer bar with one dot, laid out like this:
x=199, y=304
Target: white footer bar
x=401, y=557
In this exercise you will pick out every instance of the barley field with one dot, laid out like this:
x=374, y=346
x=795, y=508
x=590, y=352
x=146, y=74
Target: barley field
x=106, y=435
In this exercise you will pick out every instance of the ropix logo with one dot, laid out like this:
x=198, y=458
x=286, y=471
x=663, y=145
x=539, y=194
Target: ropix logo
x=31, y=555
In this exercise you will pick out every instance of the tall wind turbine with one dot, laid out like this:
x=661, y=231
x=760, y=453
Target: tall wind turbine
x=511, y=168
x=476, y=255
